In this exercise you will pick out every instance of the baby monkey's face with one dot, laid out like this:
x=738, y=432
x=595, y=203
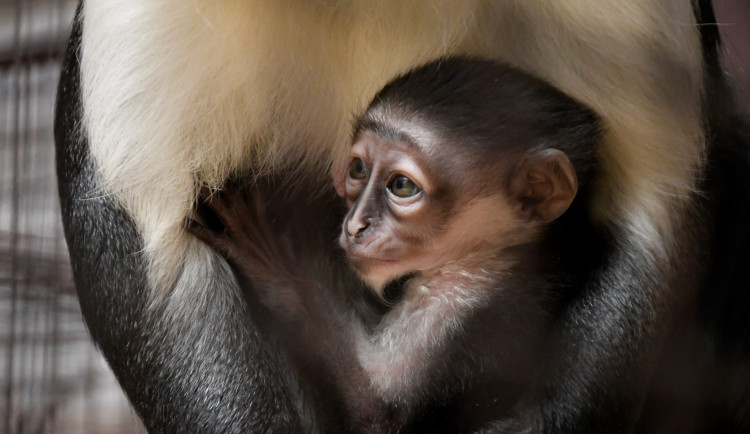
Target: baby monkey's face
x=412, y=210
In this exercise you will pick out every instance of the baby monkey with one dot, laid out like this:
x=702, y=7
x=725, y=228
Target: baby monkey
x=457, y=178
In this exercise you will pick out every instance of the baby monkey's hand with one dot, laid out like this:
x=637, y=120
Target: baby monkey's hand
x=248, y=241
x=263, y=255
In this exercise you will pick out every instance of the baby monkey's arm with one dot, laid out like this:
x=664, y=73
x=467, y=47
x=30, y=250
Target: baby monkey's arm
x=316, y=330
x=262, y=255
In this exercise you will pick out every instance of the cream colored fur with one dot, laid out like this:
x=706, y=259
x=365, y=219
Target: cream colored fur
x=413, y=337
x=182, y=92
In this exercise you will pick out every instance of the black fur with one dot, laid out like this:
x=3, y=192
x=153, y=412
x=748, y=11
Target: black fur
x=520, y=112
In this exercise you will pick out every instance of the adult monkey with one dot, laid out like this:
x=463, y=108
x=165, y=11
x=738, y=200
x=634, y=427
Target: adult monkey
x=160, y=97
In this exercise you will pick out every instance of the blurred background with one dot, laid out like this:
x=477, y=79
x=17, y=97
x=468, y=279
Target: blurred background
x=52, y=379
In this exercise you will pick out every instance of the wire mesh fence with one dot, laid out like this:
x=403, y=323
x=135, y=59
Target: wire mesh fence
x=52, y=379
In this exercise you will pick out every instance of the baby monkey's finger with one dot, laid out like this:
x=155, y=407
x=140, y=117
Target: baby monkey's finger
x=226, y=205
x=217, y=240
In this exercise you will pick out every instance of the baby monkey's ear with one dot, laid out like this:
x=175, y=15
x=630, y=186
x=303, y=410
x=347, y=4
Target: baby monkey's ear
x=543, y=184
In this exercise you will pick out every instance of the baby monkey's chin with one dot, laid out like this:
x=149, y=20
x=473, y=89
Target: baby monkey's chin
x=378, y=283
x=377, y=273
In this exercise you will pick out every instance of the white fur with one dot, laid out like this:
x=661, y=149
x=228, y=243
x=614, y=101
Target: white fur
x=411, y=339
x=177, y=93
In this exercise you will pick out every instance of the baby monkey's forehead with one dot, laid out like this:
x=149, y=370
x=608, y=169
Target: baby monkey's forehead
x=412, y=133
x=440, y=152
x=395, y=145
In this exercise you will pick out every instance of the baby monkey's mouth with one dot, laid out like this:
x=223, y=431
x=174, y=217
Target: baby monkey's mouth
x=356, y=258
x=362, y=258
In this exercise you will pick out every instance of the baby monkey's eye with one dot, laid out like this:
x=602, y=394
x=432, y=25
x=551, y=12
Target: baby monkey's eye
x=357, y=169
x=402, y=186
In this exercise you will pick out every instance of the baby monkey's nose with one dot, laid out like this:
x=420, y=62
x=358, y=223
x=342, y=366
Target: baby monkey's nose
x=356, y=227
